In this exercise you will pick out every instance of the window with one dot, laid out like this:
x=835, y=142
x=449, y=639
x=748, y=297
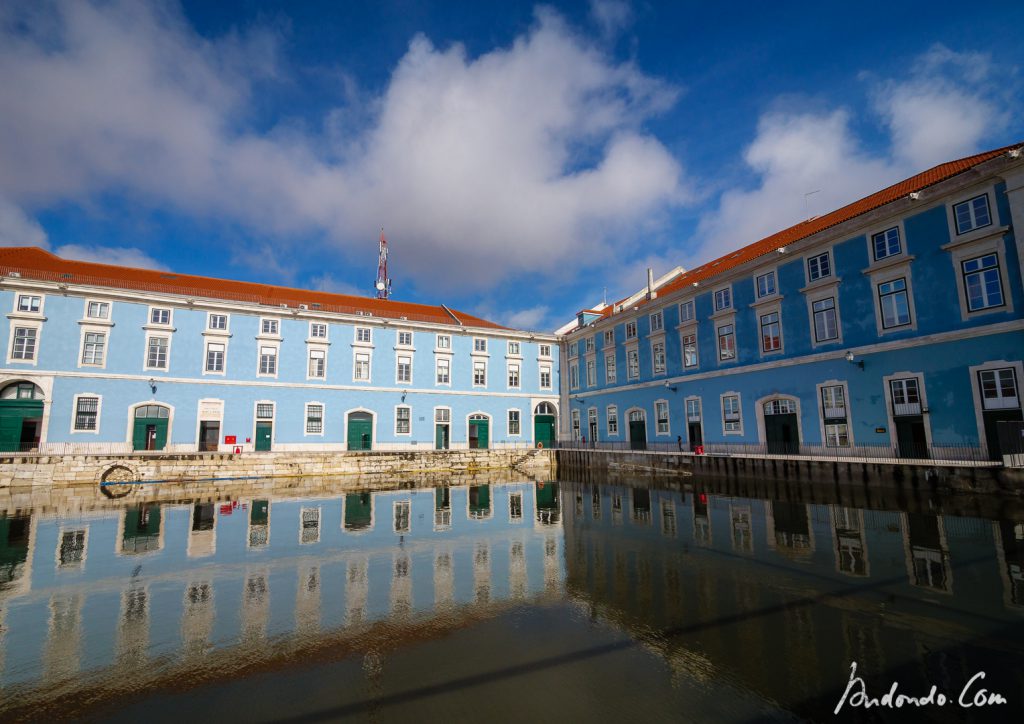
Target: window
x=833, y=412
x=574, y=377
x=544, y=350
x=403, y=420
x=479, y=373
x=819, y=267
x=573, y=350
x=982, y=282
x=633, y=364
x=513, y=348
x=589, y=344
x=268, y=360
x=892, y=298
x=264, y=411
x=661, y=417
x=765, y=284
x=723, y=299
x=92, y=348
x=29, y=303
x=999, y=389
x=479, y=344
x=825, y=326
x=442, y=415
x=686, y=311
x=657, y=322
x=361, y=371
x=87, y=413
x=444, y=341
x=780, y=407
x=159, y=316
x=317, y=363
x=575, y=424
x=314, y=419
x=906, y=396
x=217, y=321
x=771, y=332
x=405, y=339
x=726, y=342
x=693, y=410
x=631, y=330
x=591, y=373
x=24, y=343
x=443, y=371
x=658, y=357
x=156, y=355
x=609, y=368
x=731, y=413
x=613, y=420
x=545, y=377
x=972, y=214
x=886, y=243
x=98, y=310
x=513, y=422
x=689, y=350
x=609, y=337
x=269, y=326
x=215, y=357
x=317, y=330
x=513, y=376
x=403, y=370
x=363, y=335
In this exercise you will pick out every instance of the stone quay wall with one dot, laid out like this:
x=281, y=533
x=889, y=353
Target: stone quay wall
x=64, y=470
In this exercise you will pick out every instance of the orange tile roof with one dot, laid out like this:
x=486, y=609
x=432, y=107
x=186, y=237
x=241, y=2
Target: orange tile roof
x=35, y=263
x=811, y=227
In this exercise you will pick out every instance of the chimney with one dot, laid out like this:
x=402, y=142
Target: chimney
x=651, y=294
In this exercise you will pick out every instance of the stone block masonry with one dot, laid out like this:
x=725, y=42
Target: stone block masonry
x=73, y=470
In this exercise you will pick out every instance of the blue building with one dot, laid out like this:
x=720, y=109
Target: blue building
x=107, y=359
x=895, y=321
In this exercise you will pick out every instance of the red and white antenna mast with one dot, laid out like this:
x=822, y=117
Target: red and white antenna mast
x=383, y=284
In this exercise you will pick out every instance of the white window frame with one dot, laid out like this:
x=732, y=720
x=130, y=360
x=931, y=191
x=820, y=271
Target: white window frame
x=29, y=295
x=398, y=338
x=544, y=350
x=437, y=369
x=409, y=409
x=969, y=202
x=261, y=345
x=514, y=348
x=223, y=342
x=88, y=305
x=722, y=298
x=317, y=326
x=873, y=248
x=227, y=322
x=574, y=376
x=610, y=371
x=35, y=326
x=399, y=356
x=611, y=413
x=591, y=367
x=309, y=360
x=631, y=329
x=87, y=330
x=519, y=375
x=359, y=332
x=274, y=324
x=508, y=422
x=443, y=342
x=657, y=321
x=820, y=404
x=821, y=294
x=74, y=413
x=773, y=273
x=764, y=312
x=150, y=336
x=655, y=372
x=922, y=393
x=687, y=311
x=632, y=371
x=827, y=253
x=480, y=345
x=541, y=369
x=979, y=408
x=608, y=340
x=668, y=418
x=305, y=418
x=163, y=325
x=690, y=332
x=480, y=363
x=356, y=353
x=718, y=341
x=739, y=406
x=892, y=275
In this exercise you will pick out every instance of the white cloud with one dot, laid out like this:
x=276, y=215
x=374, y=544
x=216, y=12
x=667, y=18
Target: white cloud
x=516, y=161
x=327, y=282
x=118, y=256
x=611, y=16
x=534, y=318
x=17, y=229
x=809, y=163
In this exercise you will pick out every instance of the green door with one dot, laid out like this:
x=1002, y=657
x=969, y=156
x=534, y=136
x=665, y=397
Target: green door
x=544, y=430
x=478, y=433
x=264, y=430
x=360, y=431
x=479, y=501
x=441, y=439
x=780, y=434
x=911, y=441
x=14, y=414
x=149, y=433
x=637, y=435
x=141, y=529
x=358, y=511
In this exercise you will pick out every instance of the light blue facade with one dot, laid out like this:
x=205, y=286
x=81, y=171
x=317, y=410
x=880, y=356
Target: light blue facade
x=949, y=342
x=59, y=367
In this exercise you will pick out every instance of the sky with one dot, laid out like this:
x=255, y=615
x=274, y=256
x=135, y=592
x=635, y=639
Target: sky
x=524, y=160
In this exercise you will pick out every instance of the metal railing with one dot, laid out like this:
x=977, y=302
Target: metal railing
x=108, y=449
x=951, y=453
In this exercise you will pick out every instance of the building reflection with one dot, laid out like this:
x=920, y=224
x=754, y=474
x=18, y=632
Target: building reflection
x=926, y=552
x=1009, y=537
x=849, y=541
x=141, y=530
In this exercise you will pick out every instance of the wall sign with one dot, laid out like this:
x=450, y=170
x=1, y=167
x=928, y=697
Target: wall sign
x=230, y=439
x=879, y=429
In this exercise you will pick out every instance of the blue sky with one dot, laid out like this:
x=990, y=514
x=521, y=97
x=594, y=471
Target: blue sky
x=520, y=157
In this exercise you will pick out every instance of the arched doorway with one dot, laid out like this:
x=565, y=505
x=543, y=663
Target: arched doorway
x=479, y=431
x=21, y=417
x=544, y=424
x=149, y=427
x=781, y=427
x=360, y=430
x=637, y=430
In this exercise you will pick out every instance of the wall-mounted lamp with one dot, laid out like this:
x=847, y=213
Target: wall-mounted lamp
x=781, y=250
x=850, y=358
x=404, y=393
x=670, y=386
x=152, y=385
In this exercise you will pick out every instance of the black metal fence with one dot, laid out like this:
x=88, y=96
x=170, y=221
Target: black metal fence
x=953, y=453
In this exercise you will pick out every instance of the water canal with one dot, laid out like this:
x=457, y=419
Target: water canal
x=505, y=601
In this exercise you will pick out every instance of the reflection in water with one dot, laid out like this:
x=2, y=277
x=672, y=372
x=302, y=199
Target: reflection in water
x=750, y=600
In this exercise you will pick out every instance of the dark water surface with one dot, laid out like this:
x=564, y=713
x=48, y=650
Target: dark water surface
x=507, y=602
